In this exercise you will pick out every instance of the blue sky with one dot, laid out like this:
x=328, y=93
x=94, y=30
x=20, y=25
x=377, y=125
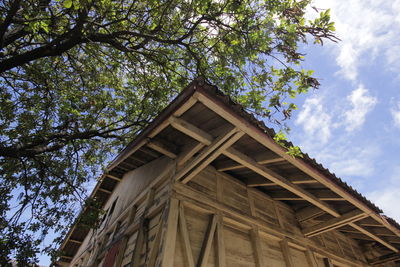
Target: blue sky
x=352, y=123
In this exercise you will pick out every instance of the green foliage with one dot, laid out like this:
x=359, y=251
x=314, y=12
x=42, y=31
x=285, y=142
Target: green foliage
x=80, y=78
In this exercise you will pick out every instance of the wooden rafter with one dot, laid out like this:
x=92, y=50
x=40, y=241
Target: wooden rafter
x=334, y=223
x=321, y=194
x=308, y=213
x=206, y=152
x=233, y=166
x=113, y=177
x=268, y=142
x=104, y=190
x=158, y=146
x=212, y=156
x=373, y=236
x=305, y=181
x=385, y=259
x=283, y=182
x=278, y=179
x=191, y=130
x=188, y=152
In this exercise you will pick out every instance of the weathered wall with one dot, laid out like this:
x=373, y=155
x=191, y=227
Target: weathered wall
x=131, y=190
x=214, y=220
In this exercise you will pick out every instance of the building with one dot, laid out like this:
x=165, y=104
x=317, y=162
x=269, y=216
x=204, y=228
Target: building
x=206, y=185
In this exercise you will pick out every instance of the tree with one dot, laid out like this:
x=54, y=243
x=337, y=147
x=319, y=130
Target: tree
x=80, y=78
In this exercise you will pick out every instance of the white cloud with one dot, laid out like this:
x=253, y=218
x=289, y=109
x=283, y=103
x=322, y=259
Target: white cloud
x=395, y=111
x=387, y=198
x=367, y=28
x=362, y=103
x=314, y=120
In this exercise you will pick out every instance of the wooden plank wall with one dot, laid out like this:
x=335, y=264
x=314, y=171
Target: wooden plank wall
x=257, y=230
x=213, y=220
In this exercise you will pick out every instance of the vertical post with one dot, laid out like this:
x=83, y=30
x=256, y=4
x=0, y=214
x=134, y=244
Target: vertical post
x=311, y=258
x=256, y=242
x=221, y=241
x=168, y=252
x=286, y=253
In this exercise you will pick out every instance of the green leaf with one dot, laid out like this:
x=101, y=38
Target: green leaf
x=67, y=3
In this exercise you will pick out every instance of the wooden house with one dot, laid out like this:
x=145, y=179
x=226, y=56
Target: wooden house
x=205, y=184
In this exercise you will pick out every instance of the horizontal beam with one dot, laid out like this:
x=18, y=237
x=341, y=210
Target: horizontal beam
x=233, y=166
x=321, y=194
x=160, y=147
x=257, y=183
x=334, y=223
x=191, y=130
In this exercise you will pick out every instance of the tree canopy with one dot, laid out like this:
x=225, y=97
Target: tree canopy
x=80, y=78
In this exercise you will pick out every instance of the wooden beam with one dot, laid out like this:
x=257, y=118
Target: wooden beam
x=221, y=241
x=212, y=156
x=205, y=152
x=322, y=194
x=205, y=250
x=191, y=130
x=257, y=248
x=75, y=241
x=279, y=180
x=286, y=253
x=375, y=237
x=264, y=183
x=185, y=236
x=328, y=262
x=233, y=166
x=104, y=190
x=158, y=146
x=170, y=235
x=308, y=213
x=257, y=134
x=385, y=259
x=188, y=152
x=113, y=177
x=334, y=223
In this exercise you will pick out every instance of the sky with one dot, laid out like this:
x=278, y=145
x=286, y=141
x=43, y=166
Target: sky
x=352, y=123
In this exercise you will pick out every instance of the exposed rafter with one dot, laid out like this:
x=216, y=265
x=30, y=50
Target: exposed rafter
x=321, y=194
x=191, y=130
x=163, y=149
x=309, y=213
x=233, y=166
x=206, y=152
x=385, y=259
x=278, y=179
x=283, y=182
x=334, y=223
x=223, y=110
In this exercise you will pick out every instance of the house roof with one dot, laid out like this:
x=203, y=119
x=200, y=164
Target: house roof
x=259, y=157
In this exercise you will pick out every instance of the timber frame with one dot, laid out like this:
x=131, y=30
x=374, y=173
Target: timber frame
x=203, y=131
